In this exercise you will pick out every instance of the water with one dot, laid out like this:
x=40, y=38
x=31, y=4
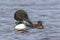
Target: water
x=48, y=11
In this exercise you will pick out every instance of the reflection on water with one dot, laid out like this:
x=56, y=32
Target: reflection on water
x=47, y=11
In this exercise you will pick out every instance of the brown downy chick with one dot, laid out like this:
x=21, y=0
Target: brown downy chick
x=38, y=25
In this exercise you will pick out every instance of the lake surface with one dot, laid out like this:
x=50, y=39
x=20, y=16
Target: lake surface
x=48, y=11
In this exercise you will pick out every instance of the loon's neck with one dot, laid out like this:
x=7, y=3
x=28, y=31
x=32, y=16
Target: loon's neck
x=18, y=22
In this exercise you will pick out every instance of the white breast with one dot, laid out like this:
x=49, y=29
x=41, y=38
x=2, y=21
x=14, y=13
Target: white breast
x=20, y=27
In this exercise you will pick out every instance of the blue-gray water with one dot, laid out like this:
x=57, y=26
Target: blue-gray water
x=48, y=11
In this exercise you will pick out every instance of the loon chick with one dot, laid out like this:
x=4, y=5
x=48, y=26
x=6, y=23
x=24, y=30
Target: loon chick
x=38, y=25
